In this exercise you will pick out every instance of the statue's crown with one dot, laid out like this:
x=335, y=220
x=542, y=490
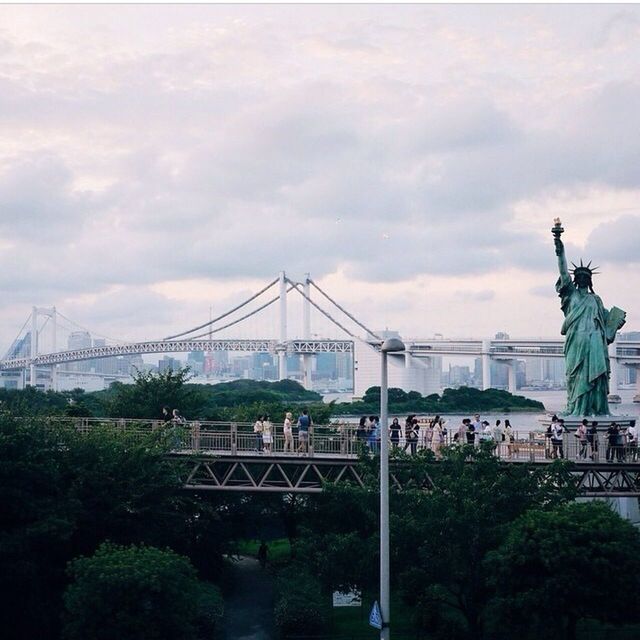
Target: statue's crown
x=585, y=269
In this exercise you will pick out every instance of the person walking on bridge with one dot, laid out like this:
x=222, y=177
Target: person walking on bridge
x=557, y=435
x=581, y=434
x=592, y=439
x=632, y=441
x=304, y=426
x=267, y=434
x=288, y=433
x=257, y=430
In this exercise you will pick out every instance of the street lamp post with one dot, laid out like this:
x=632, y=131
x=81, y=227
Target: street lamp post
x=392, y=345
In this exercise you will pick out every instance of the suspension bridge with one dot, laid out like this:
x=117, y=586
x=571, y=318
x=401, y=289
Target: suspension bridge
x=32, y=357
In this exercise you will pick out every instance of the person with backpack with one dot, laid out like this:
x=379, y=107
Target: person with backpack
x=632, y=442
x=304, y=426
x=592, y=438
x=557, y=435
x=471, y=431
x=581, y=434
x=257, y=430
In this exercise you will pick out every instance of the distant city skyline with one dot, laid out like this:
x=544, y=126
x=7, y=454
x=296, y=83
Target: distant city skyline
x=161, y=162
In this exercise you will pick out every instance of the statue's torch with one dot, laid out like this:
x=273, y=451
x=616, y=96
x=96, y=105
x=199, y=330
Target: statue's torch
x=557, y=230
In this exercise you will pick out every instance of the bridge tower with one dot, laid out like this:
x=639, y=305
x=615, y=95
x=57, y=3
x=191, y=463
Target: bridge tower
x=613, y=363
x=486, y=364
x=282, y=353
x=34, y=346
x=307, y=358
x=36, y=312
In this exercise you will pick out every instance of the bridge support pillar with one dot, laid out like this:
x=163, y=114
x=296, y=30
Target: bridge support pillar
x=486, y=364
x=282, y=355
x=34, y=346
x=613, y=363
x=307, y=358
x=513, y=367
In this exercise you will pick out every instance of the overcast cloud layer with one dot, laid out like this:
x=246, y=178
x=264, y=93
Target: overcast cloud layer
x=159, y=160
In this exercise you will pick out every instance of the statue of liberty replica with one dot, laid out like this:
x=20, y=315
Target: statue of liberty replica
x=589, y=328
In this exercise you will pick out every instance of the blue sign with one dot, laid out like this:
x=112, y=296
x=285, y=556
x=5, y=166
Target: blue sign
x=375, y=617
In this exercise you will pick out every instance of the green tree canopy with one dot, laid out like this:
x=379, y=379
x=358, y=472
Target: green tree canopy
x=577, y=561
x=134, y=592
x=62, y=493
x=149, y=393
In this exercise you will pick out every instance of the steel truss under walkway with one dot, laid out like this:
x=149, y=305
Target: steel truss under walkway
x=276, y=474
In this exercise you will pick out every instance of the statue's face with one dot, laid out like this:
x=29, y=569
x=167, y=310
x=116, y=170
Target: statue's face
x=582, y=279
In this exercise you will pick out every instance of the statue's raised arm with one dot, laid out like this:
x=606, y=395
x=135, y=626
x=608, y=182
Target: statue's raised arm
x=557, y=231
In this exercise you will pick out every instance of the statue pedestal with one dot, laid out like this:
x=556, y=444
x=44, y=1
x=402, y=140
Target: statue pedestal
x=571, y=423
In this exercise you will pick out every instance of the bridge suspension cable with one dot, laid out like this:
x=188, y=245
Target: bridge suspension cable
x=330, y=299
x=93, y=333
x=224, y=315
x=296, y=285
x=15, y=341
x=230, y=324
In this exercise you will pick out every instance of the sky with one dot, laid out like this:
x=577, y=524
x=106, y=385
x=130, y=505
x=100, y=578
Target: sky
x=161, y=162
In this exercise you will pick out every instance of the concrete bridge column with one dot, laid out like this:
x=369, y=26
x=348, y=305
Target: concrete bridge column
x=613, y=363
x=513, y=367
x=486, y=364
x=34, y=346
x=307, y=358
x=282, y=355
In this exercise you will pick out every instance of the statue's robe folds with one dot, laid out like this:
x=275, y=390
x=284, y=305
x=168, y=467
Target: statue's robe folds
x=585, y=350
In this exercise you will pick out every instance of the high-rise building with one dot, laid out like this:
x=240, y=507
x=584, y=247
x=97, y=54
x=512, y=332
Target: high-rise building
x=405, y=372
x=168, y=362
x=79, y=340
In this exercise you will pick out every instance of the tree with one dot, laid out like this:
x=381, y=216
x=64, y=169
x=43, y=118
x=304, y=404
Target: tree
x=62, y=493
x=134, y=592
x=556, y=567
x=37, y=521
x=443, y=535
x=338, y=537
x=149, y=393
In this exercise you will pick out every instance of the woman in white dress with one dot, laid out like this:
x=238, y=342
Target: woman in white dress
x=436, y=438
x=267, y=434
x=257, y=430
x=288, y=433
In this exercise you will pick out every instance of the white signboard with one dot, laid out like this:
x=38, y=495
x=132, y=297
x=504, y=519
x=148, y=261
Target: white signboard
x=348, y=599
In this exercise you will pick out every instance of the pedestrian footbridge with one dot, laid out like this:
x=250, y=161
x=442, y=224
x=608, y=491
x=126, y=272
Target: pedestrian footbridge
x=229, y=456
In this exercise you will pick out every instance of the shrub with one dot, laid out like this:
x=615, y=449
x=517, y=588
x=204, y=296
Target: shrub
x=135, y=593
x=299, y=602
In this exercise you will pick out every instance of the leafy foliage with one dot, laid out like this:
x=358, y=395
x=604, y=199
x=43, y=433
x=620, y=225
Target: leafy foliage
x=440, y=537
x=63, y=493
x=239, y=400
x=579, y=560
x=464, y=399
x=299, y=602
x=135, y=592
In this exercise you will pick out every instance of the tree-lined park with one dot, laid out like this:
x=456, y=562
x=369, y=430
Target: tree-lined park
x=98, y=538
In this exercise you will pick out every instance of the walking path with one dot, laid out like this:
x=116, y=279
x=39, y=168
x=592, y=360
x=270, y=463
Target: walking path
x=249, y=608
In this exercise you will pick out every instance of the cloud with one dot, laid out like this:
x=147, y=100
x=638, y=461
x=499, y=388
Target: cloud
x=483, y=295
x=216, y=144
x=615, y=242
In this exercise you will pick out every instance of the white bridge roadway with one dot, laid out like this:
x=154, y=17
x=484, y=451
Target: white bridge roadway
x=626, y=352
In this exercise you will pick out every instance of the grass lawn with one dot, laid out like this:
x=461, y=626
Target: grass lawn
x=353, y=622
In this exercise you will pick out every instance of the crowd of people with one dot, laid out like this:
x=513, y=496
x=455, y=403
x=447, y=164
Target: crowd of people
x=264, y=433
x=621, y=444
